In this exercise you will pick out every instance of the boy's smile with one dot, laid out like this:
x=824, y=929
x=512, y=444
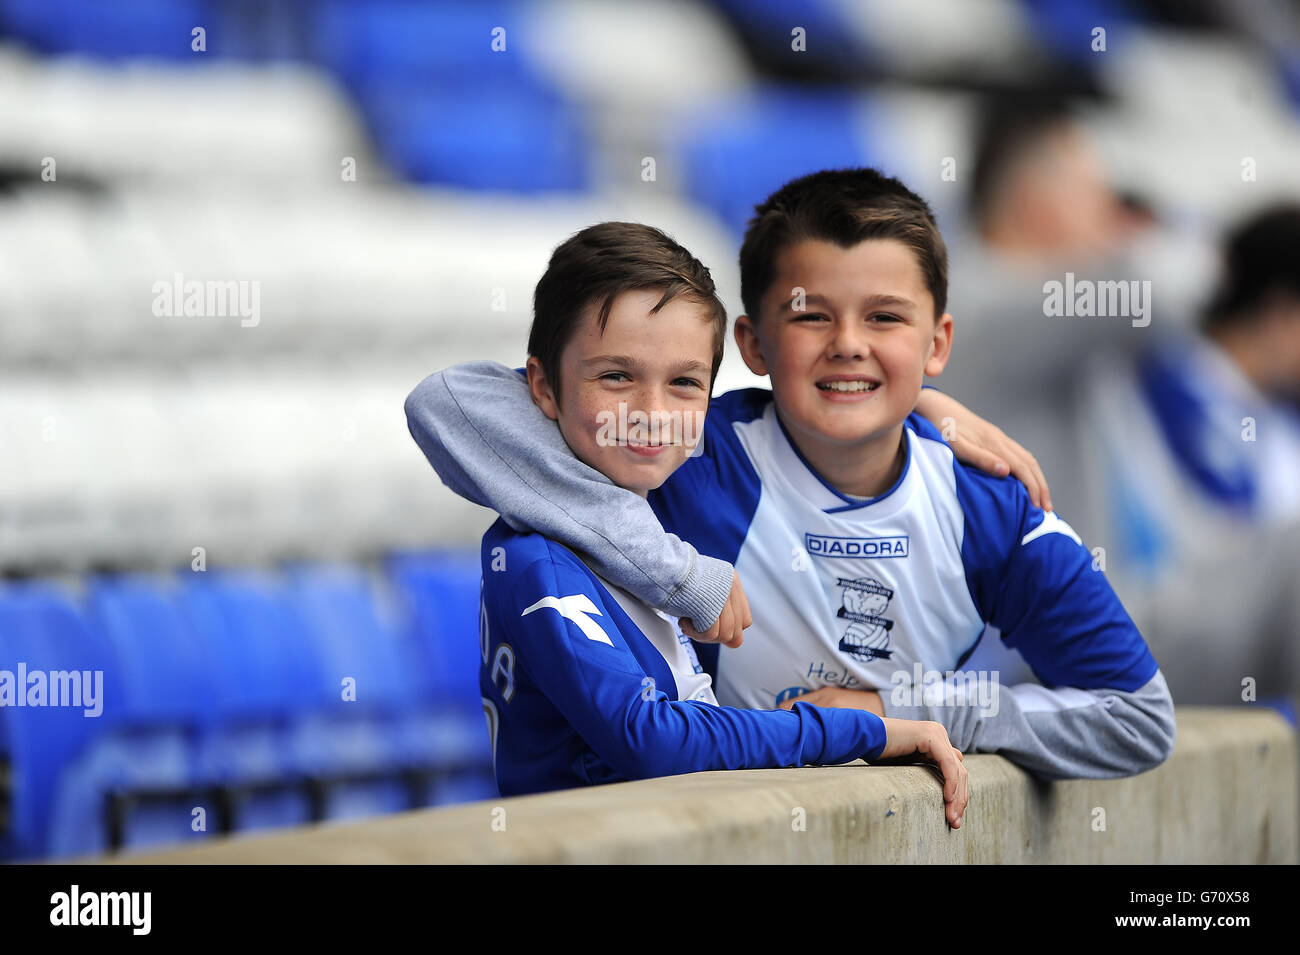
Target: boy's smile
x=847, y=366
x=848, y=388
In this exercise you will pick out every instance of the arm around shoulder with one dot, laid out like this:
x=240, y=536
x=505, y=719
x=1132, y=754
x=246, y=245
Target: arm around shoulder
x=480, y=430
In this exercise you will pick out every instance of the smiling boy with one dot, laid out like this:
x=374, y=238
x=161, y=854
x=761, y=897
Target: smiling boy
x=582, y=683
x=869, y=552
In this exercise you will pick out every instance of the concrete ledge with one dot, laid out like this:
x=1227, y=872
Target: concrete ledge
x=1230, y=793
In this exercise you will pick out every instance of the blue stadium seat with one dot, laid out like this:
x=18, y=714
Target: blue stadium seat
x=354, y=638
x=234, y=679
x=737, y=152
x=162, y=696
x=1065, y=26
x=166, y=678
x=204, y=681
x=439, y=595
x=447, y=43
x=438, y=604
x=123, y=28
x=518, y=138
x=128, y=790
x=443, y=106
x=254, y=643
x=42, y=632
x=264, y=676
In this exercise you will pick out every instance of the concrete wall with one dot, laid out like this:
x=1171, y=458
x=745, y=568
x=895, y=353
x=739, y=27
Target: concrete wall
x=1230, y=793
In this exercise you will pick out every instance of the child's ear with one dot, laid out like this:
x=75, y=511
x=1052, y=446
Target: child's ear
x=940, y=346
x=543, y=397
x=750, y=350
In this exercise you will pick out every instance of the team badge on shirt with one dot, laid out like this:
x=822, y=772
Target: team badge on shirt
x=867, y=636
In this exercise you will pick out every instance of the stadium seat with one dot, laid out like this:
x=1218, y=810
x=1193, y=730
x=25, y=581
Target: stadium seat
x=365, y=741
x=439, y=593
x=497, y=136
x=124, y=28
x=443, y=105
x=130, y=789
x=438, y=602
x=739, y=150
x=137, y=786
x=263, y=676
x=1066, y=25
x=447, y=43
x=42, y=632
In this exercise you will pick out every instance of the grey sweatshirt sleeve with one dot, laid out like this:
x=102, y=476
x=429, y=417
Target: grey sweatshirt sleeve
x=479, y=428
x=1062, y=733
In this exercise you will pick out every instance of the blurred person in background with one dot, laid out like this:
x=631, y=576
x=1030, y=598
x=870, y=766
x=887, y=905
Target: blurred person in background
x=1195, y=466
x=1138, y=419
x=1041, y=208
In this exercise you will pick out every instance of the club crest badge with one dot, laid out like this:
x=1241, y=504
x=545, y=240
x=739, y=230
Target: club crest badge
x=867, y=636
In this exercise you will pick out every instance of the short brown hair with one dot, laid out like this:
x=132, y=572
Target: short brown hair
x=597, y=265
x=844, y=206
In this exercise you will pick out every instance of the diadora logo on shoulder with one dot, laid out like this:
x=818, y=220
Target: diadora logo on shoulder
x=576, y=608
x=1051, y=524
x=820, y=546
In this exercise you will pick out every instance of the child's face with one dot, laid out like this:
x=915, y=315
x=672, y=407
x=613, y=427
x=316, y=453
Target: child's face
x=657, y=366
x=848, y=368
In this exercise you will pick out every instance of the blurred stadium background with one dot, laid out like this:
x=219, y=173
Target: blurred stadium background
x=231, y=521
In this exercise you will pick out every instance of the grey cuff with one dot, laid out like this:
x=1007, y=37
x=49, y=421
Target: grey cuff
x=702, y=595
x=896, y=712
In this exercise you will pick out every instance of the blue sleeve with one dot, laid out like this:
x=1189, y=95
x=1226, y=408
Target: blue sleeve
x=1031, y=577
x=1103, y=708
x=584, y=665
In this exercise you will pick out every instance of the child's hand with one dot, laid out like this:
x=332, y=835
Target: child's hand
x=728, y=628
x=835, y=696
x=903, y=738
x=982, y=444
x=930, y=740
